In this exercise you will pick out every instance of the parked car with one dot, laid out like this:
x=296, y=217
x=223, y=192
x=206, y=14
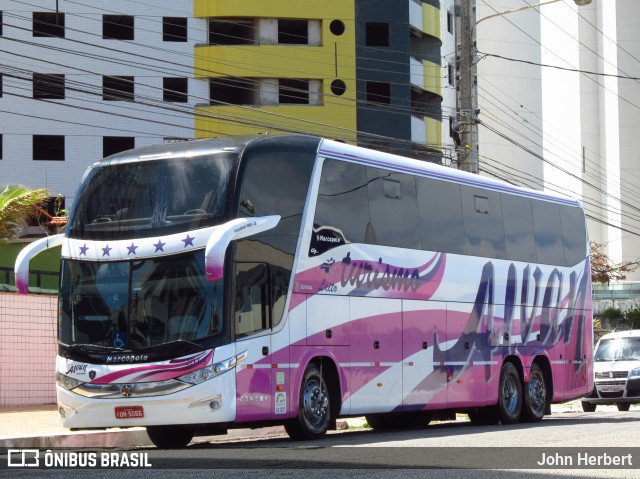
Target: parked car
x=617, y=371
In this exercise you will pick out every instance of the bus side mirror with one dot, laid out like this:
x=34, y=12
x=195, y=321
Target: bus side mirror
x=224, y=234
x=21, y=268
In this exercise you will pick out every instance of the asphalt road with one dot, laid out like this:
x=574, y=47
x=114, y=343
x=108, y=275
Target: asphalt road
x=565, y=443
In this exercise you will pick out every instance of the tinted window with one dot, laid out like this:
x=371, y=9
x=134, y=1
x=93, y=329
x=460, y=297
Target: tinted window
x=440, y=212
x=342, y=212
x=518, y=228
x=48, y=24
x=174, y=29
x=276, y=184
x=484, y=231
x=393, y=208
x=548, y=232
x=574, y=235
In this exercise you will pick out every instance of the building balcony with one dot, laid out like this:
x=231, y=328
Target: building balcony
x=426, y=131
x=425, y=19
x=426, y=76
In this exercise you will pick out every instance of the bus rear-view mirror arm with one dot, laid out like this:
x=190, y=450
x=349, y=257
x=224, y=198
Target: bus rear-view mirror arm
x=21, y=268
x=224, y=234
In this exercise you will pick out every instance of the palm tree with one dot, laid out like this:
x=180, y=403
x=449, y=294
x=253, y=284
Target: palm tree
x=17, y=203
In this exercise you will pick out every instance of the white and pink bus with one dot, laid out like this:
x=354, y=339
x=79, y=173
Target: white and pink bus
x=248, y=281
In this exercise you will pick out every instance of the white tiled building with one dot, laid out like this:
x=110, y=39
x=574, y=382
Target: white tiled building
x=586, y=126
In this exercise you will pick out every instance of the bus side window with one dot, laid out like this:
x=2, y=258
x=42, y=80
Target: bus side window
x=251, y=304
x=394, y=209
x=483, y=225
x=342, y=210
x=548, y=233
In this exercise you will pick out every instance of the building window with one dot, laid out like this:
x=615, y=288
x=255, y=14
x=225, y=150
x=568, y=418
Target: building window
x=117, y=88
x=175, y=90
x=378, y=93
x=50, y=87
x=174, y=29
x=117, y=27
x=1, y=147
x=377, y=34
x=292, y=91
x=116, y=144
x=293, y=32
x=450, y=22
x=232, y=31
x=1, y=23
x=48, y=148
x=1, y=86
x=234, y=91
x=48, y=24
x=450, y=74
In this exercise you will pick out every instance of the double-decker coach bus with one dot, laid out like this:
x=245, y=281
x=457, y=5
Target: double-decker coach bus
x=239, y=282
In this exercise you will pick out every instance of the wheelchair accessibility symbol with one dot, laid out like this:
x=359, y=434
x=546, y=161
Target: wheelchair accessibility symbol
x=119, y=340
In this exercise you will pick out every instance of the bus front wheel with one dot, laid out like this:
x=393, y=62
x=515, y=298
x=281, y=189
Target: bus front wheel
x=509, y=394
x=314, y=407
x=168, y=437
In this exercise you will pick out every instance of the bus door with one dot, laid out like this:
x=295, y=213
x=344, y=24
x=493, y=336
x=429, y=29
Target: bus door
x=252, y=329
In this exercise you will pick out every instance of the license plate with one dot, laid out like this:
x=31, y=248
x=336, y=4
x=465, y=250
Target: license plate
x=129, y=412
x=610, y=389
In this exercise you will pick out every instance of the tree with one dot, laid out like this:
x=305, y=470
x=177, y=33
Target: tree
x=17, y=203
x=604, y=270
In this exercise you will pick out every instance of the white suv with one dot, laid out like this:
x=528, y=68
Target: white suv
x=617, y=371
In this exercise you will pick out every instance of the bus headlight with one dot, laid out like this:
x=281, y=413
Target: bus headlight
x=204, y=374
x=67, y=382
x=634, y=373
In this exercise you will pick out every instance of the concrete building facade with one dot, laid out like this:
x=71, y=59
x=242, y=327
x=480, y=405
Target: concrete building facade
x=89, y=80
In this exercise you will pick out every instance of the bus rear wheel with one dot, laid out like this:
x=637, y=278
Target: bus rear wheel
x=167, y=437
x=314, y=408
x=509, y=394
x=535, y=395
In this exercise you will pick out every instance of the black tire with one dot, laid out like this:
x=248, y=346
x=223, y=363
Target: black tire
x=623, y=406
x=535, y=396
x=588, y=407
x=314, y=408
x=170, y=437
x=509, y=395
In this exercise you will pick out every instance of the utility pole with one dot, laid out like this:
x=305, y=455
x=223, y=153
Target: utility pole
x=467, y=93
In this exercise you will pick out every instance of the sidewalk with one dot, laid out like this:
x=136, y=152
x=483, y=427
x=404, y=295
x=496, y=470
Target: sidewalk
x=40, y=426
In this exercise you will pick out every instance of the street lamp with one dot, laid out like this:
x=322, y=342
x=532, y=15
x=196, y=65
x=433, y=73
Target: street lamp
x=580, y=3
x=468, y=94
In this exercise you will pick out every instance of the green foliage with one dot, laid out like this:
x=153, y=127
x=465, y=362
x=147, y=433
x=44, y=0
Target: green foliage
x=632, y=318
x=17, y=203
x=613, y=314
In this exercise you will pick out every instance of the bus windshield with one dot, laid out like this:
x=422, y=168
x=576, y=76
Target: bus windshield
x=619, y=349
x=133, y=305
x=137, y=199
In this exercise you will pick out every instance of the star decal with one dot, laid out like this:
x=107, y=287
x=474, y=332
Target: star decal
x=188, y=241
x=84, y=249
x=159, y=245
x=106, y=250
x=132, y=249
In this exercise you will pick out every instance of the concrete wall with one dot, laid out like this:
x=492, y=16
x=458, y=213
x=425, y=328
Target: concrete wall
x=28, y=352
